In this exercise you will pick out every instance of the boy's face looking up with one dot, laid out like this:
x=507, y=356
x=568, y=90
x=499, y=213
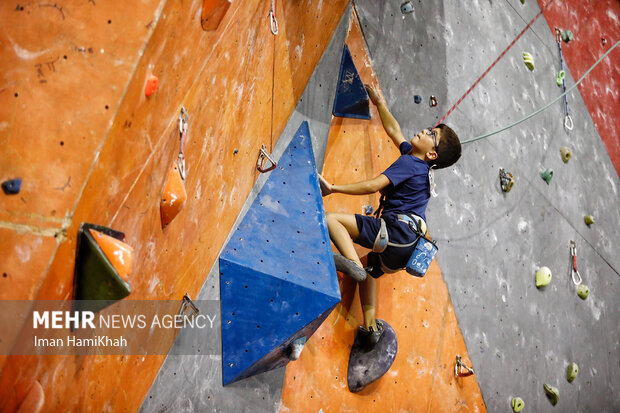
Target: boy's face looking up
x=425, y=144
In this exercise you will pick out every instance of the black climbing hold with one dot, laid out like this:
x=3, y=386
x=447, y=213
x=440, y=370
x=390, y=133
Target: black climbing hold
x=368, y=363
x=417, y=99
x=351, y=96
x=12, y=186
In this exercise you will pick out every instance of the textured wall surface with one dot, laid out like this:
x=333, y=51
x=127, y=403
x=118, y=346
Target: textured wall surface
x=491, y=243
x=76, y=126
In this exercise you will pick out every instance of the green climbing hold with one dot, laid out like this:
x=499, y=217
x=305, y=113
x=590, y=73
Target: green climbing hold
x=522, y=1
x=571, y=372
x=543, y=277
x=559, y=78
x=566, y=154
x=553, y=394
x=546, y=175
x=517, y=404
x=583, y=291
x=567, y=36
x=588, y=219
x=528, y=60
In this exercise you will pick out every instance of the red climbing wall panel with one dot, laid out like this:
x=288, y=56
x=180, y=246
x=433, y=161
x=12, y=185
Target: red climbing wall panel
x=596, y=28
x=420, y=310
x=91, y=147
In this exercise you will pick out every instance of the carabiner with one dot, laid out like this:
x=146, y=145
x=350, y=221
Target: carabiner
x=576, y=277
x=272, y=19
x=432, y=101
x=262, y=154
x=568, y=122
x=459, y=368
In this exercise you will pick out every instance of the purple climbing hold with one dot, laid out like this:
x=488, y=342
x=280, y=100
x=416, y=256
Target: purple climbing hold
x=371, y=357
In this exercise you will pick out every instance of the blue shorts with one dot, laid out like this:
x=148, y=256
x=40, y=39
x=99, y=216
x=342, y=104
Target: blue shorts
x=398, y=232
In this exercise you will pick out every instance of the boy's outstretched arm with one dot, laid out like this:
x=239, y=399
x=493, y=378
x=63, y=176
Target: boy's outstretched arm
x=390, y=124
x=369, y=186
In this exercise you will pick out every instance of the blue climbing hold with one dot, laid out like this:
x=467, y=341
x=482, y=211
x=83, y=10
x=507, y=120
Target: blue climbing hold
x=12, y=186
x=351, y=96
x=277, y=277
x=417, y=99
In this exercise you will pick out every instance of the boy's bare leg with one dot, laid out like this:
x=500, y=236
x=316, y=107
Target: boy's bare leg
x=368, y=299
x=342, y=231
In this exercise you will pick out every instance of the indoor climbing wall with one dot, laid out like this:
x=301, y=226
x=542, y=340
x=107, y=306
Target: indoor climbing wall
x=595, y=26
x=491, y=243
x=89, y=146
x=123, y=145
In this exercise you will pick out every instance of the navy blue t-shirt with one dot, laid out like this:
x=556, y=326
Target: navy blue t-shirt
x=409, y=190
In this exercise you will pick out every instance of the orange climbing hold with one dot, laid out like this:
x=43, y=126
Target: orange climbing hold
x=117, y=252
x=151, y=85
x=213, y=11
x=174, y=196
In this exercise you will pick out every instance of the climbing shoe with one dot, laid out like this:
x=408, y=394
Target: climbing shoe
x=349, y=267
x=371, y=337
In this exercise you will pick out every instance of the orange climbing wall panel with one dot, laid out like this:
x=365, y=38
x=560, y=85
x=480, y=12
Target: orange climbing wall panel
x=420, y=310
x=237, y=85
x=596, y=28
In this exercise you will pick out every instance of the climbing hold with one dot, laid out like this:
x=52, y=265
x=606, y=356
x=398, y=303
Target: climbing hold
x=151, y=85
x=566, y=154
x=102, y=265
x=432, y=101
x=528, y=60
x=567, y=36
x=517, y=403
x=369, y=361
x=461, y=369
x=260, y=163
x=506, y=180
x=406, y=7
x=417, y=99
x=12, y=186
x=368, y=209
x=274, y=289
x=603, y=41
x=559, y=78
x=589, y=220
x=571, y=372
x=295, y=348
x=174, y=196
x=543, y=277
x=546, y=175
x=522, y=1
x=583, y=291
x=213, y=11
x=351, y=96
x=553, y=394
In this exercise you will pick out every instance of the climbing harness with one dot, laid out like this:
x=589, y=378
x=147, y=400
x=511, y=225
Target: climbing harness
x=188, y=308
x=568, y=121
x=262, y=156
x=531, y=115
x=495, y=62
x=574, y=272
x=461, y=369
x=182, y=138
x=272, y=19
x=506, y=180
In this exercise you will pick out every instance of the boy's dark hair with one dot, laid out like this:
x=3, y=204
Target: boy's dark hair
x=449, y=148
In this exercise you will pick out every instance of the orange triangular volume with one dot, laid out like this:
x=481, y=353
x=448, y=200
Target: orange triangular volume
x=419, y=309
x=117, y=252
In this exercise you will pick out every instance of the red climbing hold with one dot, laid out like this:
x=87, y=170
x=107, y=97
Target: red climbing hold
x=151, y=85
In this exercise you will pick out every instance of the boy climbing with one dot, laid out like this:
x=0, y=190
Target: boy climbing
x=405, y=188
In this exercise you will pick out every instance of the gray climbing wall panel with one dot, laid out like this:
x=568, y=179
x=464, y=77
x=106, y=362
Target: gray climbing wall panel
x=194, y=383
x=491, y=242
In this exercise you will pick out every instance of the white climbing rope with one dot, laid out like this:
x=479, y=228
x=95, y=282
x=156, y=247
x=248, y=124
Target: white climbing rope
x=549, y=104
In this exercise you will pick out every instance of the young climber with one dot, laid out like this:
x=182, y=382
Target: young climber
x=405, y=190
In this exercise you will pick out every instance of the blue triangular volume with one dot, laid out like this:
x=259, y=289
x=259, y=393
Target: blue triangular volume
x=351, y=96
x=278, y=280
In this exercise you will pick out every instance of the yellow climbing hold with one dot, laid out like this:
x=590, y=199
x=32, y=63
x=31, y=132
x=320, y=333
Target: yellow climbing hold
x=571, y=372
x=528, y=60
x=566, y=154
x=588, y=219
x=543, y=277
x=517, y=404
x=553, y=394
x=583, y=291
